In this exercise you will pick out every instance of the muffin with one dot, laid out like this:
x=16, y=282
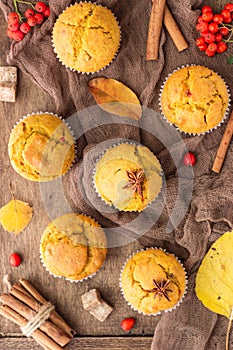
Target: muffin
x=128, y=176
x=86, y=37
x=41, y=147
x=73, y=246
x=194, y=99
x=153, y=281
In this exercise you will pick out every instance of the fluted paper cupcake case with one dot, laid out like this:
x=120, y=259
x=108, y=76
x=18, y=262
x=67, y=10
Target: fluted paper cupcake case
x=68, y=126
x=162, y=311
x=174, y=125
x=112, y=205
x=96, y=71
x=66, y=278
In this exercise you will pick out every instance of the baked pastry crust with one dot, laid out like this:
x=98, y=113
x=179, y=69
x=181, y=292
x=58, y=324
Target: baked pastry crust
x=195, y=99
x=86, y=37
x=73, y=246
x=138, y=275
x=111, y=176
x=41, y=147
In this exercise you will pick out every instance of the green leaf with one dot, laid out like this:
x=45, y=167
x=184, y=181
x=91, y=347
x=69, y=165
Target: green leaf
x=230, y=60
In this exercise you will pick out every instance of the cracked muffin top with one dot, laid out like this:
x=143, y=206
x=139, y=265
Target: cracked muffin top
x=86, y=37
x=128, y=177
x=73, y=246
x=41, y=147
x=152, y=281
x=194, y=99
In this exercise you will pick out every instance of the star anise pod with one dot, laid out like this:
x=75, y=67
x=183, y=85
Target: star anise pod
x=161, y=289
x=135, y=181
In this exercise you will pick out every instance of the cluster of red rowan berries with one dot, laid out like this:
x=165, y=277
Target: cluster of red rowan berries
x=19, y=26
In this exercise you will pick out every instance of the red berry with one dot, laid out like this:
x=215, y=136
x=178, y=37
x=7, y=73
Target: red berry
x=202, y=27
x=39, y=18
x=222, y=47
x=13, y=17
x=40, y=6
x=224, y=31
x=25, y=27
x=202, y=47
x=200, y=19
x=9, y=33
x=213, y=27
x=46, y=12
x=218, y=18
x=209, y=38
x=227, y=20
x=206, y=9
x=212, y=47
x=31, y=21
x=218, y=37
x=127, y=324
x=18, y=35
x=209, y=53
x=200, y=41
x=208, y=16
x=228, y=7
x=14, y=259
x=13, y=26
x=225, y=14
x=189, y=159
x=28, y=13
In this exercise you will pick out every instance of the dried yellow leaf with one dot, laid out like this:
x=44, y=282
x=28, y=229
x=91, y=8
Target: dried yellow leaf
x=114, y=97
x=15, y=216
x=214, y=280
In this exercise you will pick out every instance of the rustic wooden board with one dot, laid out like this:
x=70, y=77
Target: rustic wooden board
x=83, y=343
x=64, y=294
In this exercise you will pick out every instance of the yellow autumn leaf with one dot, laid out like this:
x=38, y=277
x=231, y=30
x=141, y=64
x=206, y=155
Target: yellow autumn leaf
x=214, y=280
x=114, y=97
x=15, y=216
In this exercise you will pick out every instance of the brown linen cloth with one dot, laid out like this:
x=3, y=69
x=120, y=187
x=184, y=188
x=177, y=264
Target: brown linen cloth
x=190, y=326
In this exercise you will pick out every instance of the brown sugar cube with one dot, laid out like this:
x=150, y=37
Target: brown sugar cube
x=97, y=307
x=8, y=83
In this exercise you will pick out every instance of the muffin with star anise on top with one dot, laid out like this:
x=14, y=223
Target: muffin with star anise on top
x=152, y=281
x=128, y=177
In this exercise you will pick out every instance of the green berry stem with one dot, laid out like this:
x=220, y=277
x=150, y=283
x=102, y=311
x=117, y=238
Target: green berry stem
x=17, y=10
x=27, y=3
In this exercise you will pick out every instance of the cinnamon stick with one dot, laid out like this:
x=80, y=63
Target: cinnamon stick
x=39, y=336
x=223, y=147
x=23, y=310
x=174, y=30
x=154, y=32
x=54, y=316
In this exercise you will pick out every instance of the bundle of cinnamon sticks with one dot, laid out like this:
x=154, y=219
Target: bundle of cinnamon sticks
x=160, y=13
x=23, y=303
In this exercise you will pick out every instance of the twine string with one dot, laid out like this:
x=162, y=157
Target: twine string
x=41, y=316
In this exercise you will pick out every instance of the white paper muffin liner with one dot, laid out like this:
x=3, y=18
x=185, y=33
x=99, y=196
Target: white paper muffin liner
x=174, y=125
x=162, y=311
x=66, y=278
x=72, y=134
x=112, y=205
x=96, y=71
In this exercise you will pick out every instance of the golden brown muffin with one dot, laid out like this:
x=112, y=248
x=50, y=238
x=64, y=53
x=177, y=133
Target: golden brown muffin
x=41, y=147
x=194, y=99
x=117, y=171
x=143, y=277
x=73, y=246
x=86, y=37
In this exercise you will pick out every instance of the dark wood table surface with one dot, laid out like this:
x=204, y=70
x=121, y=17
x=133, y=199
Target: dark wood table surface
x=91, y=334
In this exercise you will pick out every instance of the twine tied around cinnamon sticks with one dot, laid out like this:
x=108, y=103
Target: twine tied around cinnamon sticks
x=160, y=13
x=26, y=307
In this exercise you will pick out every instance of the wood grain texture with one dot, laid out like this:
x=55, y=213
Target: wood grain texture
x=95, y=343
